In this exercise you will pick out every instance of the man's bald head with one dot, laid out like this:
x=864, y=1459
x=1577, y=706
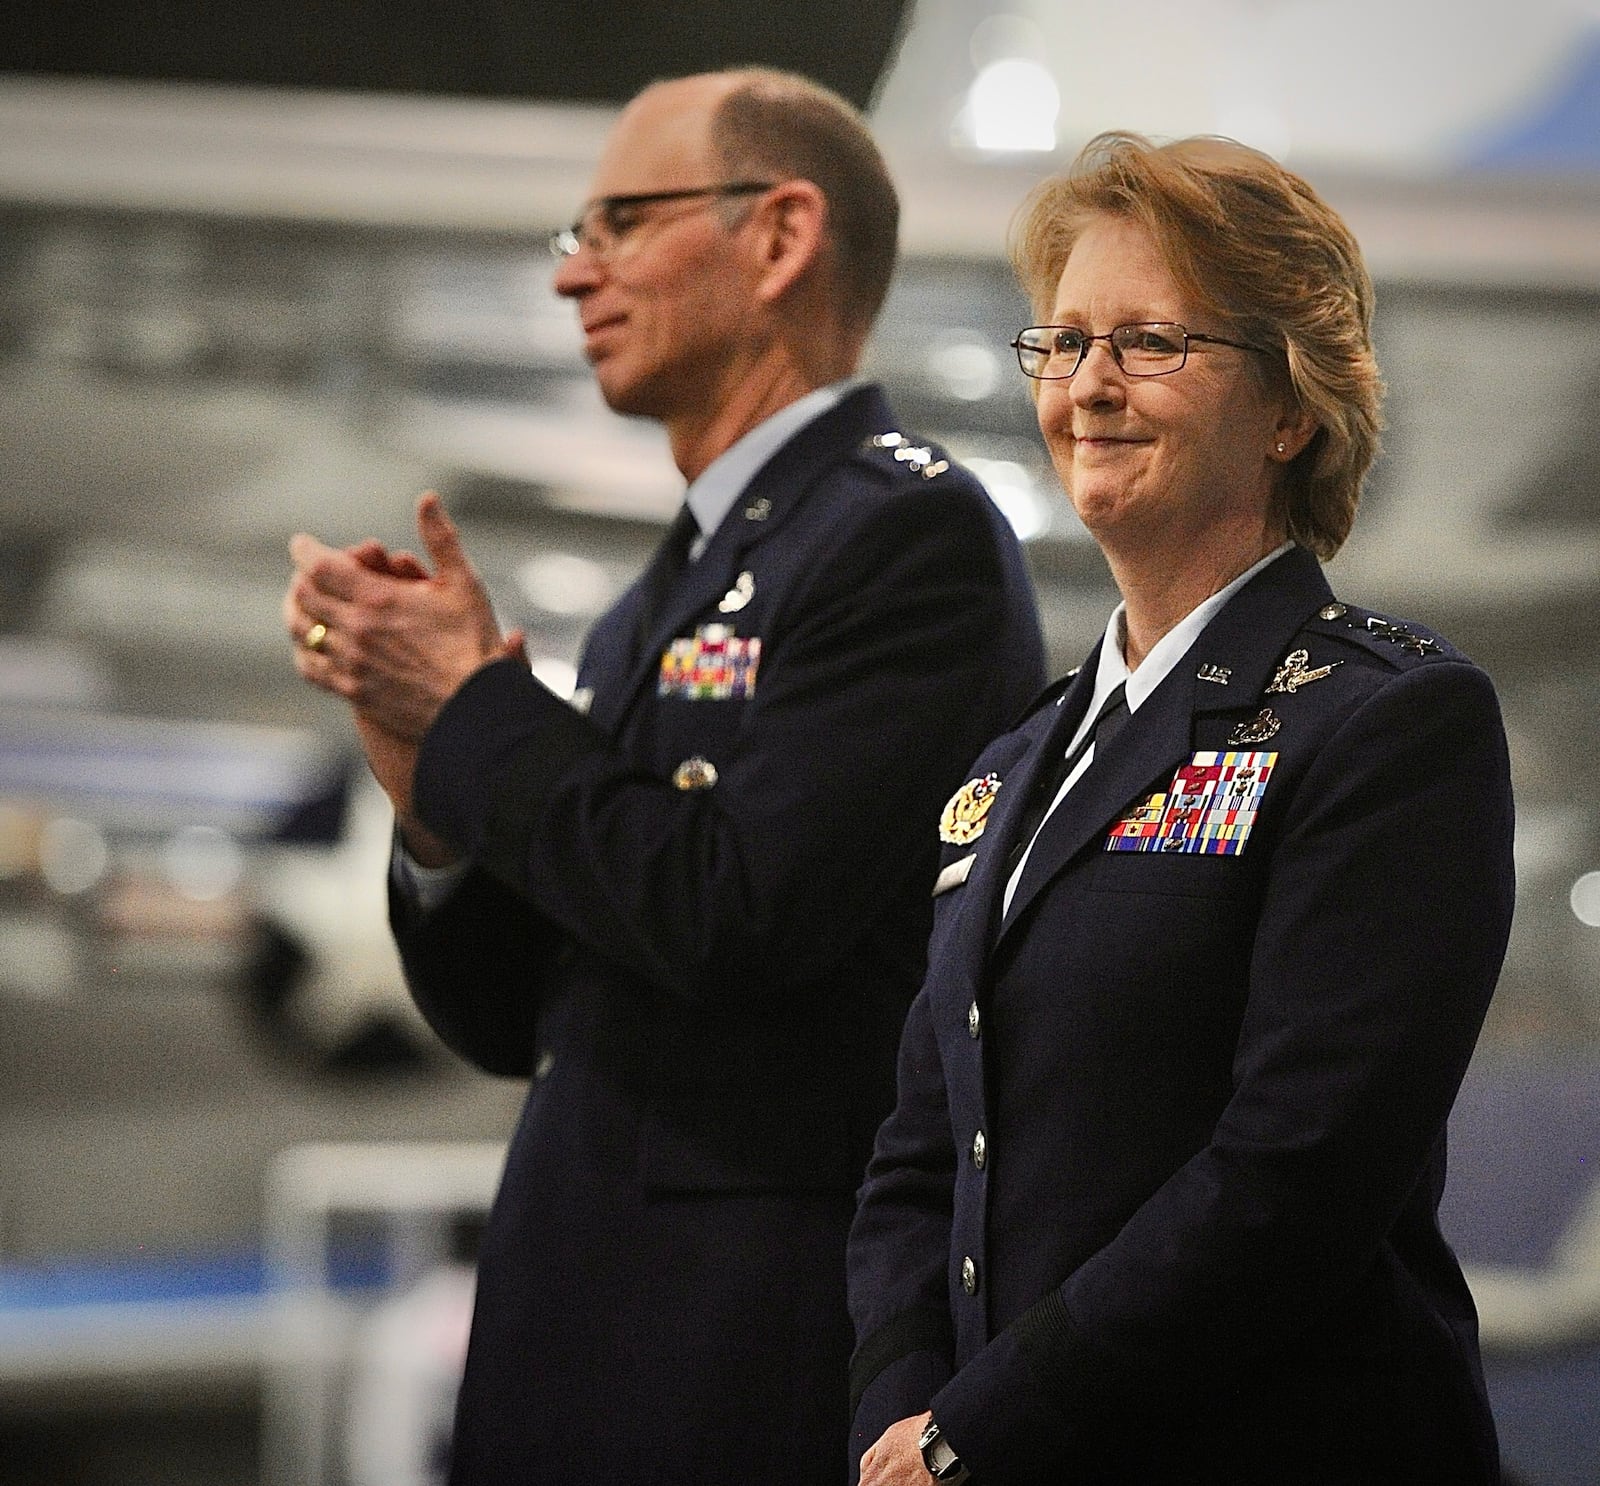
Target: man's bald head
x=772, y=125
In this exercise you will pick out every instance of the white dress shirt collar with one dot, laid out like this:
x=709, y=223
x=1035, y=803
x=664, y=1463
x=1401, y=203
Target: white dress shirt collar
x=712, y=494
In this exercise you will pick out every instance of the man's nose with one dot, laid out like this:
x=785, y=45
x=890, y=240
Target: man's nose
x=577, y=273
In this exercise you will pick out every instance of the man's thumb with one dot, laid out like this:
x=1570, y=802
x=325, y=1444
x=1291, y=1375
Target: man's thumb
x=440, y=537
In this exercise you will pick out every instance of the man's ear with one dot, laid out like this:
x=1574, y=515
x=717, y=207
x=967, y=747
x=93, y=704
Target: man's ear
x=789, y=232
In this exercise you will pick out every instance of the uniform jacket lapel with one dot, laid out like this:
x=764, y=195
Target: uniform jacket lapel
x=1248, y=639
x=1017, y=759
x=617, y=672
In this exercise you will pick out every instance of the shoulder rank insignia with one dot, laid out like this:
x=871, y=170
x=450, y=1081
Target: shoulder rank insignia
x=1207, y=810
x=1398, y=634
x=919, y=458
x=713, y=665
x=963, y=819
x=1294, y=673
x=1258, y=729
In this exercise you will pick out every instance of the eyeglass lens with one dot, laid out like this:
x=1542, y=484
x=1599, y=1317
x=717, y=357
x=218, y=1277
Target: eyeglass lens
x=607, y=223
x=1150, y=349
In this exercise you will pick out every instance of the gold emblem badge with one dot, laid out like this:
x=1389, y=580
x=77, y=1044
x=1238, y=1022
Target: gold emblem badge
x=1294, y=672
x=695, y=773
x=1262, y=726
x=963, y=818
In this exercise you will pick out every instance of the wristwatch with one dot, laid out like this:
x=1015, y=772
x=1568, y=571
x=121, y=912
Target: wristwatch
x=943, y=1463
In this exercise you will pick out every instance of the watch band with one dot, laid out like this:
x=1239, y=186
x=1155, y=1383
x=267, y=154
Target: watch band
x=939, y=1456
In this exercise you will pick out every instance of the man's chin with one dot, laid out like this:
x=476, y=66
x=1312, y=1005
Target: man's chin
x=623, y=394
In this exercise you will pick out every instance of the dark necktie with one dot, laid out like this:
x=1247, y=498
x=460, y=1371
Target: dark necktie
x=670, y=559
x=1106, y=725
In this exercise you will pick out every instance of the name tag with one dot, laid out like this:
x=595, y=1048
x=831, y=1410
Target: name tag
x=1207, y=810
x=955, y=874
x=711, y=665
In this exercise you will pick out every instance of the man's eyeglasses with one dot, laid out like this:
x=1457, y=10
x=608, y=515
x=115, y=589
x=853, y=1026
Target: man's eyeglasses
x=1154, y=348
x=607, y=220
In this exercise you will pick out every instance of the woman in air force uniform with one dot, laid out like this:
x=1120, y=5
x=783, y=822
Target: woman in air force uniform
x=1217, y=923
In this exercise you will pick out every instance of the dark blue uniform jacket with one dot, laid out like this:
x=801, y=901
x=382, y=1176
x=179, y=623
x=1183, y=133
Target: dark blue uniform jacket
x=1197, y=1240
x=707, y=978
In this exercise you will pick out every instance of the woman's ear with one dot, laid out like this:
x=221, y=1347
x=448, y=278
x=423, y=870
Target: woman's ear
x=1295, y=428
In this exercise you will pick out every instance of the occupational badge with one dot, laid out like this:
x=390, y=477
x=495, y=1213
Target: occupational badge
x=1295, y=672
x=695, y=773
x=743, y=590
x=713, y=664
x=963, y=819
x=1207, y=810
x=1258, y=729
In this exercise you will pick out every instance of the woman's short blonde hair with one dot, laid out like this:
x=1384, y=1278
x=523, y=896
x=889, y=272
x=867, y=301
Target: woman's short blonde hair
x=1249, y=241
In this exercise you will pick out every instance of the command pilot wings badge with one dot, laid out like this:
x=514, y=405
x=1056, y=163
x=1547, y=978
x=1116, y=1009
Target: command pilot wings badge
x=1296, y=672
x=963, y=819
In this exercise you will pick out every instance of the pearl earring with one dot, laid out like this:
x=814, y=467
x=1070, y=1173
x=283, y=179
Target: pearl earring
x=1281, y=448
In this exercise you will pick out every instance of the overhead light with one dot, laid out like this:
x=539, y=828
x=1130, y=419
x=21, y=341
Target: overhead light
x=1013, y=489
x=1012, y=107
x=203, y=863
x=564, y=583
x=73, y=855
x=1585, y=899
x=966, y=368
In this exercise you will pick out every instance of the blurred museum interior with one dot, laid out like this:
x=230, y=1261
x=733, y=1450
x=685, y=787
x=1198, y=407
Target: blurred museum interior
x=292, y=281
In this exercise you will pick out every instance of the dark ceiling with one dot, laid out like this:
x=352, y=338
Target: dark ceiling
x=593, y=51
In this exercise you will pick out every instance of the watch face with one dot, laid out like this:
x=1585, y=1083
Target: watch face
x=937, y=1454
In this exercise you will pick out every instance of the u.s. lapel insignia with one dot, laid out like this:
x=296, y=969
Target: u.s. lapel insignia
x=1218, y=675
x=713, y=665
x=1295, y=673
x=963, y=819
x=1207, y=810
x=743, y=590
x=1258, y=729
